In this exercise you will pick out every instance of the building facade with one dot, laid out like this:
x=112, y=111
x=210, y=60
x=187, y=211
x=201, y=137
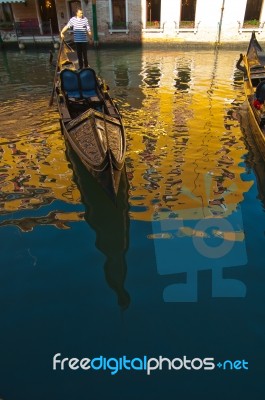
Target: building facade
x=140, y=21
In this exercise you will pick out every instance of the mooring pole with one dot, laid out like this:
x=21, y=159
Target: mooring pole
x=95, y=23
x=220, y=22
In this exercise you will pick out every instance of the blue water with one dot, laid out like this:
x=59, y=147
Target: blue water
x=85, y=279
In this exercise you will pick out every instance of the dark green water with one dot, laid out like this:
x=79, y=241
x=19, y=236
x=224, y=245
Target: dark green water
x=177, y=269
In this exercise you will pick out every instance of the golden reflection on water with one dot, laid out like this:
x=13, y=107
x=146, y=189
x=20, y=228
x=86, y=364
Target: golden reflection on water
x=184, y=141
x=34, y=170
x=185, y=145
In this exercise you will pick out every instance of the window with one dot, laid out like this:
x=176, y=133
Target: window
x=6, y=17
x=153, y=12
x=187, y=16
x=118, y=15
x=7, y=12
x=252, y=14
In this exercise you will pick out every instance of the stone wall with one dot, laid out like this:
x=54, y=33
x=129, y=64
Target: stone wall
x=213, y=22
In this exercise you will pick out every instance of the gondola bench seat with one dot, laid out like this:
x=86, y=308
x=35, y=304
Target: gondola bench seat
x=81, y=85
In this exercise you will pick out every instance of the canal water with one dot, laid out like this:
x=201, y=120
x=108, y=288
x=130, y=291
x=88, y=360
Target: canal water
x=176, y=270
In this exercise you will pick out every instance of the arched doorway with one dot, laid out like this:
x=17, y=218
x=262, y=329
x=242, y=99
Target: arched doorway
x=48, y=15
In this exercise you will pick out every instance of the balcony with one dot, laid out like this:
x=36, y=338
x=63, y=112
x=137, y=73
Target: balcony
x=186, y=26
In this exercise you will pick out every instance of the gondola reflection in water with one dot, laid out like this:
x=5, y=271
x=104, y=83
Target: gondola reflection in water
x=90, y=120
x=110, y=222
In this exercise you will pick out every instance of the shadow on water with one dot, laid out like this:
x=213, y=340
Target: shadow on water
x=109, y=221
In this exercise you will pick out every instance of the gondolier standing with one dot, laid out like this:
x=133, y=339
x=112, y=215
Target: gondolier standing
x=81, y=28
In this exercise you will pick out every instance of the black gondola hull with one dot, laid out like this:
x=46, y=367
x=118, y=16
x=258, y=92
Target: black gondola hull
x=107, y=177
x=92, y=126
x=254, y=77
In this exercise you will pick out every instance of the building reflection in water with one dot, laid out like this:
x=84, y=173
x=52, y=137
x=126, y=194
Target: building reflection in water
x=177, y=139
x=182, y=75
x=34, y=171
x=184, y=147
x=185, y=171
x=151, y=74
x=121, y=72
x=184, y=164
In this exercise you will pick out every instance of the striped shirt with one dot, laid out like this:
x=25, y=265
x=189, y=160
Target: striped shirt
x=81, y=27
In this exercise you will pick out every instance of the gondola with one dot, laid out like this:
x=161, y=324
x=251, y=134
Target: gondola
x=254, y=85
x=90, y=120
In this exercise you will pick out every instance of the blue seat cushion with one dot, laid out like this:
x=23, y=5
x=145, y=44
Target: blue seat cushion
x=88, y=83
x=88, y=93
x=70, y=83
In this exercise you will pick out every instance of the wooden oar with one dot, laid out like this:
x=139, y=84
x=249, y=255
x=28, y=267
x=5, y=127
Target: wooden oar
x=69, y=47
x=56, y=71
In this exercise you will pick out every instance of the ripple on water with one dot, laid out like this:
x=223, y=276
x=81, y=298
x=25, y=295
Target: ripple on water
x=180, y=114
